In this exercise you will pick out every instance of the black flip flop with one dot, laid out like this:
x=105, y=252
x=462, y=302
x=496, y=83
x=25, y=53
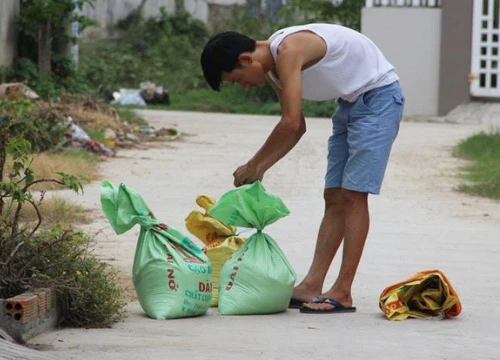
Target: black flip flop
x=337, y=307
x=296, y=303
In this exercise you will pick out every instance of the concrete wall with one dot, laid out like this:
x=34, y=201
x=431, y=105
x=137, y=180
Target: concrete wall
x=456, y=42
x=109, y=12
x=410, y=39
x=9, y=9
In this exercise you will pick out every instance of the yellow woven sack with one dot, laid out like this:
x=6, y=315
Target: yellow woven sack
x=425, y=294
x=220, y=239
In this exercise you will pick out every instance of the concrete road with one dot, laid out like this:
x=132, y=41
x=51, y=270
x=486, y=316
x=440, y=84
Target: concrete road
x=418, y=223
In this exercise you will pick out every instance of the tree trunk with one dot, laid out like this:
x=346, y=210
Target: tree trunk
x=44, y=48
x=254, y=8
x=179, y=5
x=3, y=144
x=62, y=44
x=272, y=9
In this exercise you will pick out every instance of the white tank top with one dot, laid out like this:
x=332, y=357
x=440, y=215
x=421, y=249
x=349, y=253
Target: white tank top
x=352, y=65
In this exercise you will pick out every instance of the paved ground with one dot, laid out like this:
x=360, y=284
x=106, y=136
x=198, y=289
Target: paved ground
x=418, y=223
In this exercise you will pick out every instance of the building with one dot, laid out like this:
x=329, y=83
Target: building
x=446, y=51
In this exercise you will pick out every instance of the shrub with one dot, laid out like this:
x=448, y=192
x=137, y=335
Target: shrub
x=31, y=257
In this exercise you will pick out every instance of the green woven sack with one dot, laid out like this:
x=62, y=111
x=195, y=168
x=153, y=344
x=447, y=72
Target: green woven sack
x=172, y=276
x=258, y=278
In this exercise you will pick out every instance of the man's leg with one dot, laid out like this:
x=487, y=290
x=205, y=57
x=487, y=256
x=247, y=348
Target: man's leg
x=330, y=235
x=331, y=231
x=372, y=126
x=356, y=230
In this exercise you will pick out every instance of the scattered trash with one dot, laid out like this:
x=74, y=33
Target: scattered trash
x=17, y=91
x=170, y=133
x=129, y=97
x=79, y=138
x=153, y=94
x=106, y=94
x=90, y=115
x=132, y=137
x=148, y=129
x=110, y=138
x=110, y=134
x=148, y=94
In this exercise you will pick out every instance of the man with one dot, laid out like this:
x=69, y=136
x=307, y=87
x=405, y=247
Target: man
x=321, y=62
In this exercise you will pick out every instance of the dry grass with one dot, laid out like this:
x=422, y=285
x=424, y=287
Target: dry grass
x=54, y=211
x=47, y=166
x=90, y=113
x=58, y=211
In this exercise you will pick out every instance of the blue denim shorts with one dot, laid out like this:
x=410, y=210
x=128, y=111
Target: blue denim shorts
x=362, y=137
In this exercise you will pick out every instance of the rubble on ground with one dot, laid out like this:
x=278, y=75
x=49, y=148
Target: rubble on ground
x=90, y=115
x=94, y=115
x=17, y=91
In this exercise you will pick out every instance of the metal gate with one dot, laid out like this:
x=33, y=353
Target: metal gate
x=485, y=69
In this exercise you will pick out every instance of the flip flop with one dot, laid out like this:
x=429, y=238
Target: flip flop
x=296, y=303
x=338, y=307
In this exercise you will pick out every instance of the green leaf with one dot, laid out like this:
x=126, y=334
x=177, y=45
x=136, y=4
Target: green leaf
x=18, y=148
x=4, y=121
x=71, y=182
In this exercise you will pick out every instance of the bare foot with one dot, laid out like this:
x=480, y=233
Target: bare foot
x=305, y=293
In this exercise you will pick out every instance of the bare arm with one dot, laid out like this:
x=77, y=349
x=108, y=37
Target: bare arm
x=289, y=129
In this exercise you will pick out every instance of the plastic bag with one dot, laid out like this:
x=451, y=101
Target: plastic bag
x=258, y=278
x=220, y=239
x=426, y=294
x=130, y=97
x=172, y=276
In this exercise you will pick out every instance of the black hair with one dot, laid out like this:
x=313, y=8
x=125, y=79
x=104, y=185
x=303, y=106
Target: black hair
x=221, y=54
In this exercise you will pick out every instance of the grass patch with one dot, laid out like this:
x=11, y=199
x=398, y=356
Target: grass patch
x=482, y=175
x=71, y=161
x=234, y=100
x=57, y=211
x=229, y=100
x=130, y=116
x=54, y=211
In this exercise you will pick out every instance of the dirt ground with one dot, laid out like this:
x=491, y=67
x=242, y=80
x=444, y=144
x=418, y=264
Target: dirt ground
x=418, y=222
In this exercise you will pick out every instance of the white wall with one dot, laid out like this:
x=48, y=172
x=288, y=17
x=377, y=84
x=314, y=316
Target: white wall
x=410, y=39
x=9, y=9
x=109, y=12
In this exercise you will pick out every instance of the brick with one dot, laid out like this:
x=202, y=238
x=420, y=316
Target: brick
x=51, y=299
x=23, y=308
x=42, y=301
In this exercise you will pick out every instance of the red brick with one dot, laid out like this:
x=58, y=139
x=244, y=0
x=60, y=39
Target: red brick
x=23, y=308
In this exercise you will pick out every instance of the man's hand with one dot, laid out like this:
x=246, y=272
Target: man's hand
x=247, y=174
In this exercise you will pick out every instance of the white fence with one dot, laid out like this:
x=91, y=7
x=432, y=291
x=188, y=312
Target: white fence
x=485, y=68
x=402, y=3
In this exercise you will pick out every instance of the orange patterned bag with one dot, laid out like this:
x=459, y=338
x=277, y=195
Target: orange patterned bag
x=425, y=294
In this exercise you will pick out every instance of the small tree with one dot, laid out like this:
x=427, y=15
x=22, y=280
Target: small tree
x=15, y=187
x=45, y=23
x=32, y=256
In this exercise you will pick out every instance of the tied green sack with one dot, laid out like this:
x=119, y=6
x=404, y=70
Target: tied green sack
x=258, y=278
x=172, y=276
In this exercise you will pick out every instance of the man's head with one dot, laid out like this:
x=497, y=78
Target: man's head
x=229, y=57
